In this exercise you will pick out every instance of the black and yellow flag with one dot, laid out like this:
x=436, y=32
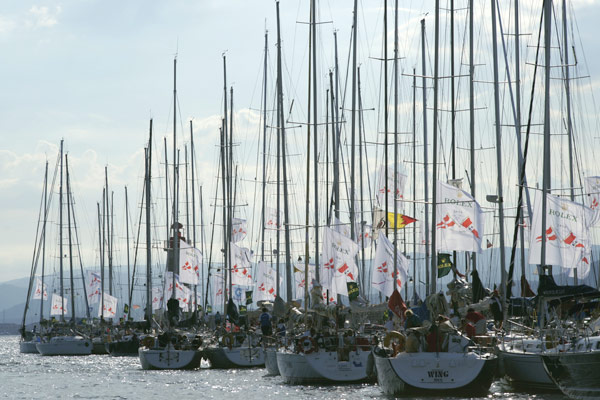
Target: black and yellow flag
x=444, y=265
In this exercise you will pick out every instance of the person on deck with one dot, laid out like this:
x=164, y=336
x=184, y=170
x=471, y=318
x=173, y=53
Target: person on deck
x=218, y=319
x=265, y=322
x=497, y=309
x=412, y=320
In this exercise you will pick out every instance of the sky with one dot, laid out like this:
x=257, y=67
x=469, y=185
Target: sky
x=94, y=72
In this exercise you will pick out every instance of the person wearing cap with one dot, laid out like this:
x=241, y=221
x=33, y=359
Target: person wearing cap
x=412, y=320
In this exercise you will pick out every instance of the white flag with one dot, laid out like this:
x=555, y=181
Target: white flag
x=567, y=232
x=238, y=229
x=592, y=189
x=364, y=240
x=182, y=293
x=40, y=291
x=239, y=295
x=58, y=305
x=383, y=188
x=190, y=259
x=241, y=265
x=272, y=220
x=218, y=293
x=157, y=298
x=459, y=224
x=94, y=287
x=338, y=262
x=383, y=273
x=300, y=280
x=110, y=306
x=341, y=228
x=266, y=279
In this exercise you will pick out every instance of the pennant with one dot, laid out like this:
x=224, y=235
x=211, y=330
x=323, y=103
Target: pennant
x=396, y=304
x=400, y=219
x=489, y=244
x=218, y=292
x=248, y=297
x=444, y=265
x=459, y=225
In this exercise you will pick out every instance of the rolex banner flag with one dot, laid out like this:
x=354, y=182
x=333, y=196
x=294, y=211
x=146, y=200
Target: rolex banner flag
x=241, y=265
x=190, y=259
x=40, y=290
x=383, y=273
x=266, y=283
x=338, y=265
x=567, y=232
x=238, y=229
x=393, y=188
x=459, y=220
x=592, y=190
x=444, y=265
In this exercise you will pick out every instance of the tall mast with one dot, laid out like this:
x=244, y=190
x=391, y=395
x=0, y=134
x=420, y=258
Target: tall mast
x=546, y=158
x=175, y=181
x=101, y=250
x=60, y=235
x=353, y=140
x=452, y=96
x=187, y=201
x=70, y=240
x=385, y=115
x=498, y=152
x=127, y=245
x=264, y=158
x=315, y=107
x=425, y=164
x=108, y=234
x=224, y=188
x=395, y=144
x=414, y=140
x=307, y=209
x=193, y=233
x=360, y=233
x=148, y=230
x=472, y=113
x=43, y=243
x=167, y=189
x=230, y=198
x=568, y=98
x=336, y=149
x=432, y=283
x=286, y=206
x=278, y=153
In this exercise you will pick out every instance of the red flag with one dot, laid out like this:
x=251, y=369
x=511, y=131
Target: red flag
x=396, y=304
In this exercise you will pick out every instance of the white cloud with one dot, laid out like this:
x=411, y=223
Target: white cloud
x=7, y=24
x=43, y=17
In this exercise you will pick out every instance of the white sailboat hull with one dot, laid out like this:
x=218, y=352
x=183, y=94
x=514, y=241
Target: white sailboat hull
x=65, y=346
x=169, y=358
x=236, y=357
x=435, y=372
x=322, y=366
x=271, y=362
x=526, y=369
x=28, y=347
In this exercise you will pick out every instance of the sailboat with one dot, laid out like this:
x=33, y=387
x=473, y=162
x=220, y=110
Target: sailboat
x=171, y=349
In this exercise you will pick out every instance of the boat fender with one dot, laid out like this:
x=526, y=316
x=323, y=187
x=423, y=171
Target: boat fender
x=397, y=337
x=307, y=344
x=227, y=340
